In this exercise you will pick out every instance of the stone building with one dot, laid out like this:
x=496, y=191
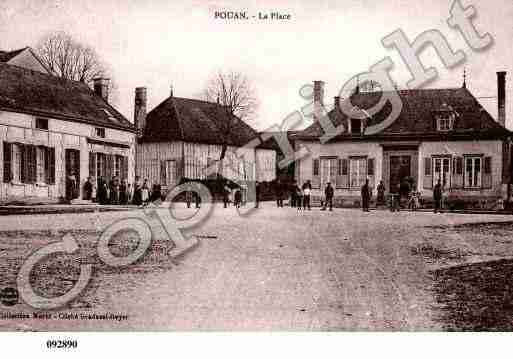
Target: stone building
x=440, y=134
x=51, y=127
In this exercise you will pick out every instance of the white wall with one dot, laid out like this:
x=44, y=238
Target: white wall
x=16, y=127
x=459, y=148
x=341, y=150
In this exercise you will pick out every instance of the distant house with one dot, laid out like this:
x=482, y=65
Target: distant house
x=182, y=138
x=440, y=134
x=52, y=127
x=23, y=58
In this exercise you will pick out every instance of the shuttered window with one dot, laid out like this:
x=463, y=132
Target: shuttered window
x=315, y=170
x=92, y=165
x=25, y=163
x=370, y=168
x=487, y=173
x=342, y=178
x=428, y=178
x=7, y=162
x=427, y=166
x=124, y=171
x=40, y=164
x=50, y=165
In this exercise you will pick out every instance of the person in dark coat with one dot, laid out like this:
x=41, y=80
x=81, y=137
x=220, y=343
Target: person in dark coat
x=381, y=194
x=293, y=195
x=137, y=198
x=366, y=196
x=437, y=196
x=307, y=190
x=257, y=194
x=71, y=184
x=279, y=194
x=102, y=191
x=88, y=189
x=123, y=193
x=156, y=193
x=114, y=190
x=328, y=194
x=237, y=198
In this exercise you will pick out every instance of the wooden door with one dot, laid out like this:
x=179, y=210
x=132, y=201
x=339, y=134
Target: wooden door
x=400, y=167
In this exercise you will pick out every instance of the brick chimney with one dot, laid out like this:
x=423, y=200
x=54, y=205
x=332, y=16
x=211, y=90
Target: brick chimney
x=140, y=109
x=501, y=97
x=318, y=100
x=101, y=87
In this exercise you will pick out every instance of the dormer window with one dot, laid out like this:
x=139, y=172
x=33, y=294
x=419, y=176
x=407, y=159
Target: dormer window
x=100, y=132
x=445, y=122
x=445, y=118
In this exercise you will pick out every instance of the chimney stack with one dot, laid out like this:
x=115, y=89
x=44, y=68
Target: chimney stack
x=140, y=109
x=171, y=92
x=101, y=87
x=318, y=100
x=501, y=97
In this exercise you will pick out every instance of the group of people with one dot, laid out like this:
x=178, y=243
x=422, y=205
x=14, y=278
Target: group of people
x=300, y=197
x=120, y=192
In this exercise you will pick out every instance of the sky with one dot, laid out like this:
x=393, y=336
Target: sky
x=162, y=43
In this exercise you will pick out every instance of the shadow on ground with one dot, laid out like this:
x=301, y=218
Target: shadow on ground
x=477, y=297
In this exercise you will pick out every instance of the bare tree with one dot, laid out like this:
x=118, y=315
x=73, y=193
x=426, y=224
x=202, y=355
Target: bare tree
x=67, y=58
x=235, y=92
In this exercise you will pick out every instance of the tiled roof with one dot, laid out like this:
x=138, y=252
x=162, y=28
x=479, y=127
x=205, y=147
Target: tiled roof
x=182, y=119
x=26, y=91
x=417, y=116
x=5, y=56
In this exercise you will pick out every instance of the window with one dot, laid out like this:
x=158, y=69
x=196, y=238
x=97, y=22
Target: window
x=442, y=170
x=42, y=123
x=101, y=165
x=458, y=166
x=445, y=122
x=472, y=172
x=342, y=166
x=370, y=169
x=17, y=155
x=100, y=132
x=356, y=126
x=118, y=163
x=40, y=164
x=25, y=163
x=357, y=171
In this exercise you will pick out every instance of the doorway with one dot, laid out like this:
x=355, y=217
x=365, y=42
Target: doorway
x=72, y=167
x=400, y=167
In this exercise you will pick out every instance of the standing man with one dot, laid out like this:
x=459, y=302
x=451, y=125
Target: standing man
x=307, y=189
x=328, y=193
x=257, y=194
x=365, y=196
x=437, y=196
x=381, y=194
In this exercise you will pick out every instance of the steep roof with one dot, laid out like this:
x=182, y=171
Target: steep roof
x=183, y=119
x=416, y=119
x=27, y=91
x=6, y=56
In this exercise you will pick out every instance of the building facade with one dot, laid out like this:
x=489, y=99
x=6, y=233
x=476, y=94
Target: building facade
x=440, y=135
x=51, y=128
x=183, y=139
